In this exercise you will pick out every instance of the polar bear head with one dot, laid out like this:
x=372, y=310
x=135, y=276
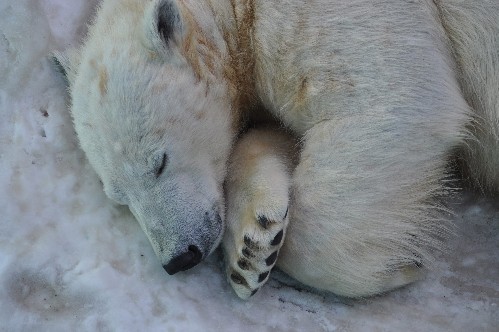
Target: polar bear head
x=155, y=123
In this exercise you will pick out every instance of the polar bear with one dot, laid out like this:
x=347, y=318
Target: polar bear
x=374, y=103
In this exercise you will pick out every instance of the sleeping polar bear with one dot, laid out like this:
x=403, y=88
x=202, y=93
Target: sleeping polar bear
x=376, y=102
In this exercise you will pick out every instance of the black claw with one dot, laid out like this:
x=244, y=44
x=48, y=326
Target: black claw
x=286, y=214
x=263, y=221
x=271, y=259
x=244, y=264
x=247, y=253
x=250, y=243
x=263, y=276
x=277, y=239
x=238, y=279
x=254, y=291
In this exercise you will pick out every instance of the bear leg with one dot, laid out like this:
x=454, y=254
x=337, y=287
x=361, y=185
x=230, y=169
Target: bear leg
x=364, y=215
x=257, y=190
x=474, y=35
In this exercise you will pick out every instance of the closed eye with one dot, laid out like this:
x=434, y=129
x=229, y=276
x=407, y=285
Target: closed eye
x=162, y=166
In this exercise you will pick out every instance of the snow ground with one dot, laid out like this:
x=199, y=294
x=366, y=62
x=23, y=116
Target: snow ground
x=70, y=260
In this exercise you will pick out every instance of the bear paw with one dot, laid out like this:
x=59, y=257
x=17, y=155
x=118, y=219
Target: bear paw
x=257, y=195
x=252, y=254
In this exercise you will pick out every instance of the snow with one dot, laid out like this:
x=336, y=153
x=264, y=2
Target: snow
x=71, y=260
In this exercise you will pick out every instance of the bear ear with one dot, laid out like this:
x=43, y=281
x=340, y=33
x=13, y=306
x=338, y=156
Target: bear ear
x=164, y=24
x=65, y=63
x=169, y=21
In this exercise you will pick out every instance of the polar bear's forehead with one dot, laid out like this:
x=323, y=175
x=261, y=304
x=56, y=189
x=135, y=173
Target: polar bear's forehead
x=132, y=97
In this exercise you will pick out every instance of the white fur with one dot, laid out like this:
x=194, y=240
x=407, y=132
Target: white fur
x=473, y=29
x=257, y=185
x=380, y=94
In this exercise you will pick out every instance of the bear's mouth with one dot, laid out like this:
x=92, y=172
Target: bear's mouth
x=217, y=223
x=194, y=240
x=193, y=256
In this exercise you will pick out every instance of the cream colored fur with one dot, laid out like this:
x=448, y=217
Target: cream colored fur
x=379, y=94
x=258, y=185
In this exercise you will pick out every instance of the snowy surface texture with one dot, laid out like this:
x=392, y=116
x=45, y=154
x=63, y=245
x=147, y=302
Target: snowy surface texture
x=70, y=260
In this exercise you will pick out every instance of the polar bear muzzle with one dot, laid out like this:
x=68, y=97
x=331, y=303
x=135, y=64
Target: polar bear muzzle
x=181, y=236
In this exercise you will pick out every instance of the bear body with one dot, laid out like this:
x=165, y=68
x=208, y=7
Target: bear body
x=376, y=98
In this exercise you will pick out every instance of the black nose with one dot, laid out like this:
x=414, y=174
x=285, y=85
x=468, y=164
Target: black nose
x=184, y=261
